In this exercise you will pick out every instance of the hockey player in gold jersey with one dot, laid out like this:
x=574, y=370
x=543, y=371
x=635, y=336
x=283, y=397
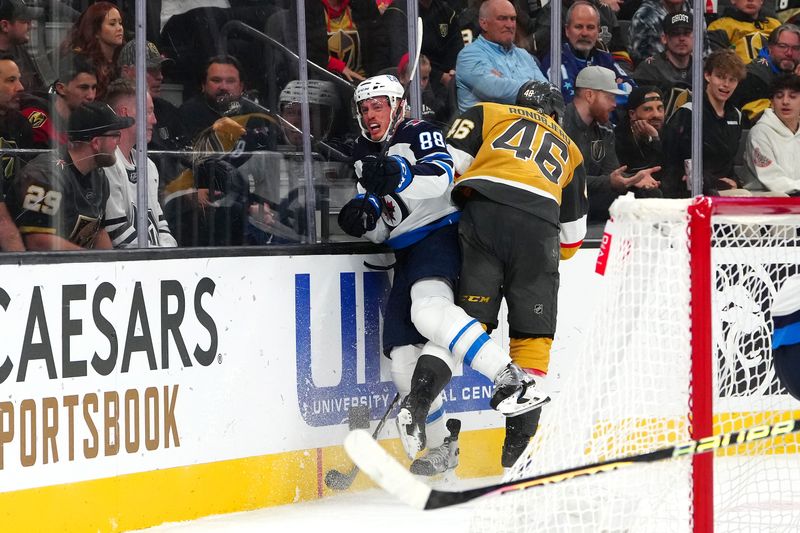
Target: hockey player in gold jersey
x=521, y=184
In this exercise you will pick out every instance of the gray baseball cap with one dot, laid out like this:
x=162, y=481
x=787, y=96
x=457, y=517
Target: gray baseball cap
x=599, y=79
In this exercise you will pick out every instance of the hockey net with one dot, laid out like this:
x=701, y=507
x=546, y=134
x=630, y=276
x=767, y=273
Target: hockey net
x=679, y=348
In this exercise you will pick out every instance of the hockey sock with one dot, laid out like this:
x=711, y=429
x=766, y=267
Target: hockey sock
x=438, y=319
x=404, y=360
x=519, y=431
x=435, y=424
x=531, y=352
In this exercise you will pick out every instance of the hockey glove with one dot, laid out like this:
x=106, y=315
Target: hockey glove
x=359, y=216
x=382, y=177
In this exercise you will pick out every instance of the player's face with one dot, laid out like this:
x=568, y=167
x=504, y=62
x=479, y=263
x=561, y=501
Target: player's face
x=18, y=31
x=652, y=112
x=786, y=104
x=10, y=86
x=291, y=113
x=720, y=86
x=111, y=31
x=376, y=114
x=500, y=24
x=679, y=42
x=80, y=90
x=154, y=80
x=748, y=7
x=222, y=79
x=786, y=52
x=602, y=105
x=583, y=29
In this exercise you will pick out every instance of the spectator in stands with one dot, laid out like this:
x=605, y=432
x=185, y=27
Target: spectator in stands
x=15, y=132
x=743, y=26
x=586, y=121
x=15, y=30
x=169, y=132
x=780, y=56
x=121, y=207
x=671, y=70
x=773, y=144
x=342, y=36
x=69, y=186
x=435, y=105
x=441, y=40
x=722, y=127
x=610, y=36
x=638, y=135
x=76, y=84
x=582, y=29
x=221, y=95
x=647, y=24
x=492, y=68
x=99, y=35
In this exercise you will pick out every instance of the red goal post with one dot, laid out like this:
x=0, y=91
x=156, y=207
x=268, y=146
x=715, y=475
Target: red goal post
x=678, y=347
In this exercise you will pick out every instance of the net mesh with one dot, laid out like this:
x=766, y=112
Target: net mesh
x=629, y=391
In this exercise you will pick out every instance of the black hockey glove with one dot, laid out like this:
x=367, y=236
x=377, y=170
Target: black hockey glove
x=382, y=177
x=359, y=216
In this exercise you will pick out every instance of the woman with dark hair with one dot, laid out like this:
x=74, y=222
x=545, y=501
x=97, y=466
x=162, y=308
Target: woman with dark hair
x=98, y=34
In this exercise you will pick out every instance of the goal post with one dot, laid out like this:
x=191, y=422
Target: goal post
x=679, y=347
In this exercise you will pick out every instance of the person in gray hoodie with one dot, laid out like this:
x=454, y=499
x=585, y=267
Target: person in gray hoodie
x=773, y=144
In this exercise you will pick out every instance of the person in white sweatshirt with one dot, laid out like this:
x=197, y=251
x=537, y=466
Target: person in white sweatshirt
x=121, y=208
x=773, y=144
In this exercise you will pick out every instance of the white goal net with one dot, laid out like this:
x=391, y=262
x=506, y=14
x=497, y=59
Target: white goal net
x=679, y=348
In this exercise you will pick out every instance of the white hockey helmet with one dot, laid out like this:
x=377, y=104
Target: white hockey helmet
x=383, y=85
x=320, y=92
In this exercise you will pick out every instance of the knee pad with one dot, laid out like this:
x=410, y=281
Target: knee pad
x=430, y=298
x=531, y=352
x=404, y=360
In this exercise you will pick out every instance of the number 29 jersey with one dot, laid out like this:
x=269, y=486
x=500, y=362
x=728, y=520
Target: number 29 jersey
x=522, y=158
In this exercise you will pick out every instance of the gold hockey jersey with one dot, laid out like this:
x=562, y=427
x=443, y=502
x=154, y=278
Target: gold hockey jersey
x=519, y=157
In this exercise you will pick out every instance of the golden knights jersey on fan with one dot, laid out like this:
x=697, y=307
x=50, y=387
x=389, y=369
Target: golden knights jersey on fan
x=51, y=196
x=421, y=203
x=520, y=157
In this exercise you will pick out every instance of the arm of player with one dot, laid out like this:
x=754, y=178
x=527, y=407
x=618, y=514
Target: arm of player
x=433, y=172
x=465, y=137
x=574, y=209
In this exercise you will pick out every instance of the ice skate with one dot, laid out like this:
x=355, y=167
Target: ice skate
x=411, y=424
x=442, y=458
x=516, y=392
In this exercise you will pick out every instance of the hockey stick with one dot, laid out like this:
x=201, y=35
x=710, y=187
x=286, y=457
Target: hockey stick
x=396, y=480
x=337, y=480
x=396, y=114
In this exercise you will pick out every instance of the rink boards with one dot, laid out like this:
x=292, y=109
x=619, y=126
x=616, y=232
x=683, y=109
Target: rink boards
x=139, y=391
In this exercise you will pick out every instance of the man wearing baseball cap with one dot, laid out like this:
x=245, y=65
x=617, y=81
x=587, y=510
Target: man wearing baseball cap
x=15, y=29
x=672, y=68
x=169, y=133
x=638, y=133
x=58, y=201
x=587, y=122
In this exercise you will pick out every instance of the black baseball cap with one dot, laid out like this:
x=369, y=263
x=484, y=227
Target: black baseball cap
x=638, y=96
x=18, y=10
x=677, y=21
x=93, y=119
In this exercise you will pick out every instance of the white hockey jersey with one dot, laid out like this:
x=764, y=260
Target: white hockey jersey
x=421, y=204
x=120, y=221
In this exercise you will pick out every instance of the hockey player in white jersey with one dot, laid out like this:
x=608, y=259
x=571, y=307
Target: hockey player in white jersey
x=404, y=201
x=120, y=221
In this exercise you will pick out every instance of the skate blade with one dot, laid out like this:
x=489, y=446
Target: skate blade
x=510, y=407
x=411, y=445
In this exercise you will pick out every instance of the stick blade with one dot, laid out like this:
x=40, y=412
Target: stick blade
x=337, y=480
x=384, y=470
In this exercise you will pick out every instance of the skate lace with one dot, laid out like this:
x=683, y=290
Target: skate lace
x=438, y=457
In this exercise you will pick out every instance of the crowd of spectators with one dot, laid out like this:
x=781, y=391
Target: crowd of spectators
x=223, y=115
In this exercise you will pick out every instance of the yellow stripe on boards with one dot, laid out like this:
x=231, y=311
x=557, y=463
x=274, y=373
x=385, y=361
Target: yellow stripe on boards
x=141, y=500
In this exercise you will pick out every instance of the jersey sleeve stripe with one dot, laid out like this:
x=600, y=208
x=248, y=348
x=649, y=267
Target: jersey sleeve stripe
x=573, y=233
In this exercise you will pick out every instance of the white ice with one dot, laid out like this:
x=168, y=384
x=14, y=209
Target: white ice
x=371, y=511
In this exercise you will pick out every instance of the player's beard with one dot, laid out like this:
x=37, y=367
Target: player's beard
x=105, y=159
